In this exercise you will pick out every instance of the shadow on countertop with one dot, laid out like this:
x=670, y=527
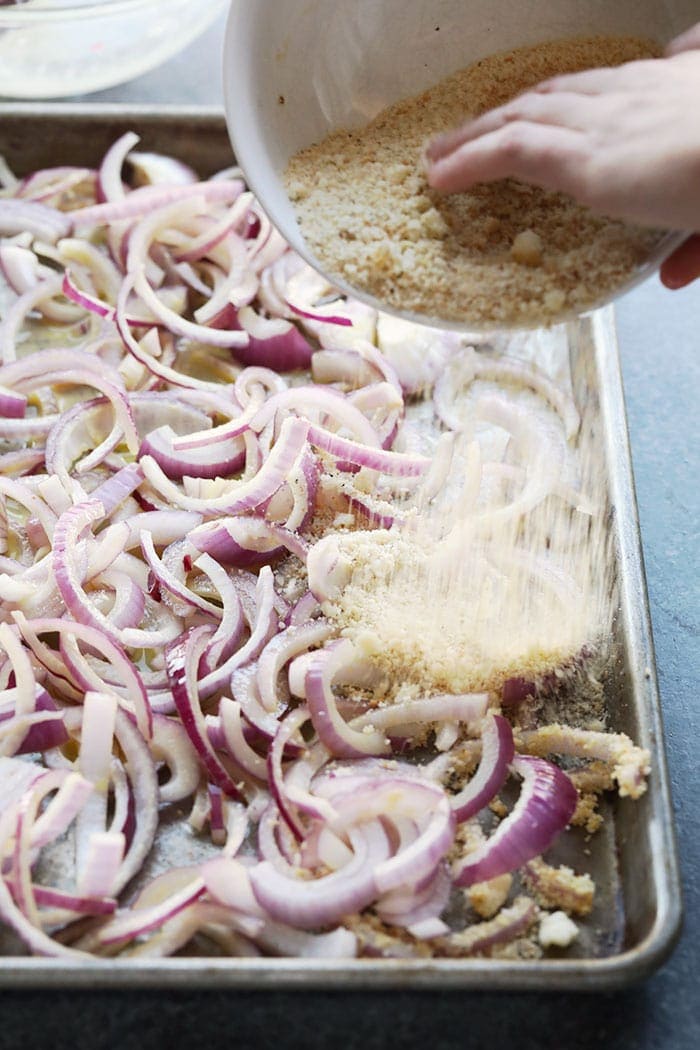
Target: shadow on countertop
x=642, y=1017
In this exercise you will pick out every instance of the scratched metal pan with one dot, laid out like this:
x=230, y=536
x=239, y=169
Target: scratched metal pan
x=634, y=860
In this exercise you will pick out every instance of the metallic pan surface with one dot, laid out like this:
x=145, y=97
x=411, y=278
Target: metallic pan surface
x=638, y=860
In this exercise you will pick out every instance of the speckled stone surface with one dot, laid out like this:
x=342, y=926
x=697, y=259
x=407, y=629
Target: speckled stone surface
x=660, y=346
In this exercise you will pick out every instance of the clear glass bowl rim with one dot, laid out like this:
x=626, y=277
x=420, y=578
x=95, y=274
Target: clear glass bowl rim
x=21, y=16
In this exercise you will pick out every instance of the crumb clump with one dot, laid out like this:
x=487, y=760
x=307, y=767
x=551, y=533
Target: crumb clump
x=500, y=254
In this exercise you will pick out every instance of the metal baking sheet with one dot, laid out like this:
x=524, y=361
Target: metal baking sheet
x=634, y=860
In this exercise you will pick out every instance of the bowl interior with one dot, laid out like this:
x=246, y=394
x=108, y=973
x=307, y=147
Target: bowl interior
x=294, y=72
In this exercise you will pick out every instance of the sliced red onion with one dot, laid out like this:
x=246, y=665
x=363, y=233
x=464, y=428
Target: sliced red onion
x=317, y=403
x=112, y=493
x=280, y=650
x=228, y=635
x=100, y=864
x=113, y=391
x=24, y=461
x=167, y=580
x=246, y=495
x=96, y=735
x=217, y=231
x=25, y=686
x=143, y=920
x=546, y=805
x=21, y=429
x=348, y=367
x=15, y=316
x=315, y=903
x=110, y=187
x=182, y=662
x=143, y=350
x=246, y=541
x=275, y=774
x=497, y=751
x=53, y=182
x=271, y=343
x=171, y=663
x=322, y=668
x=177, y=324
x=44, y=223
x=144, y=200
x=245, y=690
x=262, y=628
x=73, y=791
x=20, y=268
x=38, y=364
x=68, y=571
x=43, y=735
x=209, y=438
x=155, y=169
x=12, y=913
x=236, y=744
x=396, y=797
x=46, y=897
x=228, y=882
x=469, y=708
x=401, y=464
x=171, y=745
x=197, y=463
x=418, y=910
x=88, y=302
x=305, y=609
x=144, y=785
x=85, y=675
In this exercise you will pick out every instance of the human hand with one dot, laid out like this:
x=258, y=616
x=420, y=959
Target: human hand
x=624, y=141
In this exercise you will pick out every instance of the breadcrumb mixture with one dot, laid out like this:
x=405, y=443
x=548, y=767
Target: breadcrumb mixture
x=504, y=253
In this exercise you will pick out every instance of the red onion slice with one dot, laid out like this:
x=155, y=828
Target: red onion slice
x=546, y=805
x=400, y=464
x=12, y=404
x=497, y=751
x=245, y=495
x=322, y=668
x=182, y=662
x=228, y=459
x=110, y=187
x=313, y=904
x=144, y=200
x=44, y=223
x=234, y=738
x=155, y=169
x=129, y=678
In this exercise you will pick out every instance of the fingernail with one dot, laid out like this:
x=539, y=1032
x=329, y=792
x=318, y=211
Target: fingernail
x=433, y=175
x=434, y=148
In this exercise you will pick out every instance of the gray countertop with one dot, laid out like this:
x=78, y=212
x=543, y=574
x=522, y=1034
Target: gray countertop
x=659, y=335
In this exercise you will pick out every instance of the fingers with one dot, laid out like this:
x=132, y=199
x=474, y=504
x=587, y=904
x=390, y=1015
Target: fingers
x=628, y=77
x=688, y=41
x=442, y=145
x=563, y=109
x=547, y=156
x=683, y=266
x=589, y=82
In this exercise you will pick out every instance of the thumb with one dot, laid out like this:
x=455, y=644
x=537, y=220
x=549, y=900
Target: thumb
x=688, y=41
x=683, y=265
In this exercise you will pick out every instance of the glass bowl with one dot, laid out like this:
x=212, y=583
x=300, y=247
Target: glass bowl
x=54, y=48
x=295, y=72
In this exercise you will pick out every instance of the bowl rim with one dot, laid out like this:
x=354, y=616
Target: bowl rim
x=237, y=98
x=21, y=15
